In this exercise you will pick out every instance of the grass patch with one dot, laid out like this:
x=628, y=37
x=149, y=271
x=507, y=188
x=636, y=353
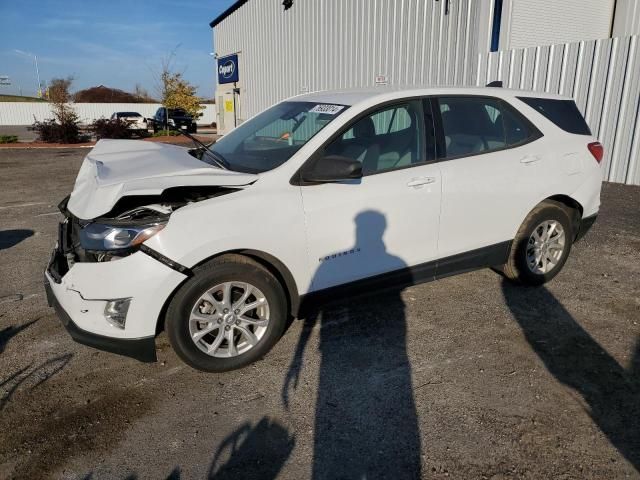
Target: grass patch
x=166, y=133
x=8, y=139
x=18, y=98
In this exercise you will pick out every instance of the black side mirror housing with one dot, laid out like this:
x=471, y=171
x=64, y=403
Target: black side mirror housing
x=332, y=168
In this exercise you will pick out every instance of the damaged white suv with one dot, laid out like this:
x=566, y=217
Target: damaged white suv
x=221, y=245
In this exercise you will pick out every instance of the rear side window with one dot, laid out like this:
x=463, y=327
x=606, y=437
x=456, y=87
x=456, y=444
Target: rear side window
x=473, y=125
x=563, y=113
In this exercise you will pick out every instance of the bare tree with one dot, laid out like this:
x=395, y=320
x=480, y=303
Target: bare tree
x=142, y=94
x=174, y=90
x=59, y=90
x=59, y=96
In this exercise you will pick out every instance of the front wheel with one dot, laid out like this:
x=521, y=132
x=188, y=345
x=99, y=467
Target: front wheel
x=228, y=315
x=541, y=246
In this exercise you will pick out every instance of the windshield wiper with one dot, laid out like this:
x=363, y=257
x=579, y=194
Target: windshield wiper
x=217, y=158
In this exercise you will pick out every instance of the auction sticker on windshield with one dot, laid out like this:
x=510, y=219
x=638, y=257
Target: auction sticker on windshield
x=328, y=109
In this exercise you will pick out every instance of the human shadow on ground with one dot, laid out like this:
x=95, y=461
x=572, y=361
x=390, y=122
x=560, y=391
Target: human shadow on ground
x=250, y=452
x=8, y=333
x=366, y=424
x=10, y=238
x=253, y=452
x=575, y=359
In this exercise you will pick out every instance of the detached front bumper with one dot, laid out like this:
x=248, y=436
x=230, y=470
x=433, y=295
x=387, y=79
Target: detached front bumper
x=80, y=293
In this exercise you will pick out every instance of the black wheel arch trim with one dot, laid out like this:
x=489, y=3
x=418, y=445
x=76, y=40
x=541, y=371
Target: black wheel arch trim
x=271, y=263
x=281, y=272
x=585, y=225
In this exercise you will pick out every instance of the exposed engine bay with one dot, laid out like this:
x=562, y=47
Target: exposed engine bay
x=131, y=219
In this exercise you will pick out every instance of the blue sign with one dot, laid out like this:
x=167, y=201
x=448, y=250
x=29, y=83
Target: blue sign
x=228, y=69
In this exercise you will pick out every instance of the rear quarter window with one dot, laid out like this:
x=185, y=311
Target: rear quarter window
x=563, y=113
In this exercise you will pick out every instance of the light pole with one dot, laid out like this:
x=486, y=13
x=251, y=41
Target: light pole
x=35, y=58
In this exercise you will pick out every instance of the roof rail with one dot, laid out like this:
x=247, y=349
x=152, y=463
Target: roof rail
x=495, y=83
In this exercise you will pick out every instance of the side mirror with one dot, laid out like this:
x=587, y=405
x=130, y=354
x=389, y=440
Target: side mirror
x=333, y=168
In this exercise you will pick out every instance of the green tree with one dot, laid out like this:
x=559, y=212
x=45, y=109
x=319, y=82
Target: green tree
x=179, y=93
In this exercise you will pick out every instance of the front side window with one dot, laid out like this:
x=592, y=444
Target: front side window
x=271, y=138
x=473, y=125
x=390, y=138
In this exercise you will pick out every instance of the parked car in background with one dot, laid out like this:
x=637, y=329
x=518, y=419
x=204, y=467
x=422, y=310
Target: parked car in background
x=221, y=244
x=168, y=118
x=136, y=121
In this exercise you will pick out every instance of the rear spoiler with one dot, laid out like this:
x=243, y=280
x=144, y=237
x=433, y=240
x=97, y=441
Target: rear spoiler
x=495, y=83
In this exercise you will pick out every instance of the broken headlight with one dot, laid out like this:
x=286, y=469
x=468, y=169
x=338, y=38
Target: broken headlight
x=101, y=238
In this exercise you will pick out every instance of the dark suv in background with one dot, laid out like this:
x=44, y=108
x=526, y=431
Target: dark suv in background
x=166, y=118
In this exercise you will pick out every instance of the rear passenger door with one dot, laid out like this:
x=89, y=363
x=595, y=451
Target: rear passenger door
x=491, y=172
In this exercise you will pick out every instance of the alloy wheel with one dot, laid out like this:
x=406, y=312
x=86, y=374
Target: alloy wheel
x=229, y=319
x=545, y=247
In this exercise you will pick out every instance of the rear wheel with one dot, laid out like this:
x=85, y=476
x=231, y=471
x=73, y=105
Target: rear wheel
x=230, y=314
x=541, y=246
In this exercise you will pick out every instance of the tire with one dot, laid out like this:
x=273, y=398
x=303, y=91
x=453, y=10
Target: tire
x=155, y=128
x=188, y=302
x=519, y=268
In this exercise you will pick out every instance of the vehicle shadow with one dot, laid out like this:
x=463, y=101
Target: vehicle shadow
x=8, y=333
x=579, y=362
x=10, y=238
x=36, y=377
x=366, y=423
x=254, y=452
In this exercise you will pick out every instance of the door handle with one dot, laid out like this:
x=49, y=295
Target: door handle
x=527, y=159
x=418, y=182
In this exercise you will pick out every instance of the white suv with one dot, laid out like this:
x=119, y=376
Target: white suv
x=220, y=246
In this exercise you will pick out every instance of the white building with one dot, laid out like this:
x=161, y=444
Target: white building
x=269, y=50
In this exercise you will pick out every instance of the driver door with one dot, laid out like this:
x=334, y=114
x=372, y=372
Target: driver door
x=389, y=219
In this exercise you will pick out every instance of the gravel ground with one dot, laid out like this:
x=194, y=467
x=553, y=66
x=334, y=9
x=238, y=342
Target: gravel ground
x=467, y=377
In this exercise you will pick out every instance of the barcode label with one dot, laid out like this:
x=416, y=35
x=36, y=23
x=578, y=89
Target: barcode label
x=328, y=109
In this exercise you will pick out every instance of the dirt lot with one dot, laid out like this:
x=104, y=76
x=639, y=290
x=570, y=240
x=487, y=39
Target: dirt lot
x=464, y=378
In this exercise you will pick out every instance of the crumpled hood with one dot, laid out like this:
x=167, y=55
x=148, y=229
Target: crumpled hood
x=117, y=168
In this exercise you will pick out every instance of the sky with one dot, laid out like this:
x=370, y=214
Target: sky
x=116, y=43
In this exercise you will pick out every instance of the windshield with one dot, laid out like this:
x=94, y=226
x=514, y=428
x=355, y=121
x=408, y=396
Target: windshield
x=177, y=112
x=128, y=114
x=270, y=139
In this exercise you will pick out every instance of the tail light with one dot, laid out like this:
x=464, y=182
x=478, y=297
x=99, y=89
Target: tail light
x=597, y=150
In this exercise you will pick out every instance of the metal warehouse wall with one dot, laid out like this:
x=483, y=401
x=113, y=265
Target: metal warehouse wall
x=627, y=18
x=527, y=23
x=603, y=76
x=330, y=44
x=24, y=113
